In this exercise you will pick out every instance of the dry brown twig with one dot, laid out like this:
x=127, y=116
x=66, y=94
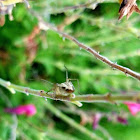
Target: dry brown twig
x=127, y=8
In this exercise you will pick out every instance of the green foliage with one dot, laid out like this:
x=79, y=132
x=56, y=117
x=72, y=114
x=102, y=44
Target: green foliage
x=97, y=28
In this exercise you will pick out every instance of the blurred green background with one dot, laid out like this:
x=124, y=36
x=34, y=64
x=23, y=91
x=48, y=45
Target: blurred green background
x=28, y=55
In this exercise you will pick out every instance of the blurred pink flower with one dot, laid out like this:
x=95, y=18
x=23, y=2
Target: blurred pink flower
x=134, y=108
x=122, y=120
x=28, y=110
x=96, y=119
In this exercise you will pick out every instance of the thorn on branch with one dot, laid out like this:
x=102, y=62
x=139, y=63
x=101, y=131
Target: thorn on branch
x=126, y=73
x=108, y=98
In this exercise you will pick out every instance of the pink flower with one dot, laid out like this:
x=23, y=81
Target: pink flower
x=134, y=108
x=122, y=120
x=96, y=120
x=28, y=110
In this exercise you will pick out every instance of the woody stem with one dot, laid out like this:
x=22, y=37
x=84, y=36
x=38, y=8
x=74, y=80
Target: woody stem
x=107, y=98
x=46, y=26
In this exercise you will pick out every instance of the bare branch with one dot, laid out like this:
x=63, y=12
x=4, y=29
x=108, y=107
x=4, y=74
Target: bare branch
x=90, y=98
x=45, y=26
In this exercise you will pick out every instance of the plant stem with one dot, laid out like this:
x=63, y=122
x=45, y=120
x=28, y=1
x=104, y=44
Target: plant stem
x=90, y=98
x=45, y=26
x=41, y=93
x=71, y=122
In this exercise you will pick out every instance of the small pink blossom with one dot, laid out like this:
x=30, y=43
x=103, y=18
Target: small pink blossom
x=134, y=108
x=122, y=120
x=28, y=110
x=96, y=119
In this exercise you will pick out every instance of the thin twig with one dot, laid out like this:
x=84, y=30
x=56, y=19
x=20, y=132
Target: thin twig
x=71, y=122
x=65, y=9
x=114, y=24
x=91, y=4
x=105, y=132
x=45, y=26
